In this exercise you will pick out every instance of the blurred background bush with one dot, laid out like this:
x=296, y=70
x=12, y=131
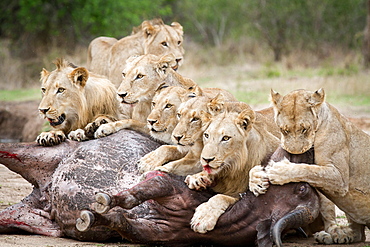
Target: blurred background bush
x=261, y=38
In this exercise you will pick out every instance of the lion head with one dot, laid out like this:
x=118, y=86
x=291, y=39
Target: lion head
x=162, y=119
x=226, y=131
x=195, y=114
x=143, y=76
x=71, y=97
x=193, y=119
x=296, y=116
x=161, y=39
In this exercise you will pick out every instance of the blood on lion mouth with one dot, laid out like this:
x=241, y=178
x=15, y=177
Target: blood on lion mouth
x=207, y=168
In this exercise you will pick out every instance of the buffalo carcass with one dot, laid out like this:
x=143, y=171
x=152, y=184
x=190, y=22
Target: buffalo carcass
x=67, y=177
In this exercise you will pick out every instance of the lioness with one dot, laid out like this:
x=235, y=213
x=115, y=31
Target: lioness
x=106, y=55
x=143, y=76
x=235, y=141
x=341, y=154
x=71, y=98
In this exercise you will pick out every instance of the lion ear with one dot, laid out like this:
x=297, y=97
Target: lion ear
x=161, y=86
x=275, y=98
x=177, y=26
x=44, y=74
x=148, y=29
x=205, y=115
x=216, y=105
x=165, y=62
x=195, y=91
x=317, y=98
x=79, y=76
x=245, y=119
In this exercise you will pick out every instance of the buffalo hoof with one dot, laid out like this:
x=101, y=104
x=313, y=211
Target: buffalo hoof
x=85, y=221
x=102, y=204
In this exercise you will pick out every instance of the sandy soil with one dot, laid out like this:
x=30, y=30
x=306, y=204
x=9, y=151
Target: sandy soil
x=13, y=188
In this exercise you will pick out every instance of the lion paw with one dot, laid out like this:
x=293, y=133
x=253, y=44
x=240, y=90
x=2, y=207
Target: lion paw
x=149, y=162
x=335, y=235
x=205, y=218
x=104, y=130
x=258, y=180
x=198, y=181
x=77, y=135
x=162, y=169
x=51, y=138
x=91, y=128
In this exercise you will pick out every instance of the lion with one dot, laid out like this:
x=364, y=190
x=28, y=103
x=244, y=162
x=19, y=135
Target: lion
x=235, y=141
x=341, y=152
x=162, y=119
x=106, y=55
x=143, y=76
x=71, y=98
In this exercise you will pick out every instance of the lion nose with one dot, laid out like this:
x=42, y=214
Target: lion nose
x=122, y=95
x=208, y=160
x=44, y=110
x=177, y=138
x=151, y=122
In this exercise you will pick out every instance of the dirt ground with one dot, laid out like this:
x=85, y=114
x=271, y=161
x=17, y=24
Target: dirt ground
x=13, y=188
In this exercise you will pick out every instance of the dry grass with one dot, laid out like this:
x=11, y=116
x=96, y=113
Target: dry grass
x=245, y=68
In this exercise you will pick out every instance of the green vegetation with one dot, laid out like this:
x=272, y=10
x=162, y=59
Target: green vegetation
x=20, y=94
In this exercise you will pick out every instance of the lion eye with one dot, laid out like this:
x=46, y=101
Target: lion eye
x=206, y=135
x=123, y=74
x=225, y=138
x=60, y=90
x=164, y=43
x=139, y=76
x=153, y=104
x=194, y=119
x=284, y=131
x=168, y=106
x=43, y=90
x=179, y=42
x=178, y=115
x=304, y=130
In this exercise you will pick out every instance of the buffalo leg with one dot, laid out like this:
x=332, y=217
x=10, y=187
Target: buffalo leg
x=28, y=216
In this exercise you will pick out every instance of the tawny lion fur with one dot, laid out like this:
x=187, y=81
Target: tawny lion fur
x=143, y=77
x=71, y=98
x=106, y=56
x=235, y=141
x=193, y=118
x=341, y=171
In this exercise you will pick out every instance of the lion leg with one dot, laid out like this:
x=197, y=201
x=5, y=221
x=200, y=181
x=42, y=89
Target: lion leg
x=207, y=213
x=185, y=166
x=158, y=157
x=113, y=127
x=332, y=232
x=51, y=138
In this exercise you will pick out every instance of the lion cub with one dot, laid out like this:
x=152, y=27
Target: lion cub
x=71, y=98
x=235, y=141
